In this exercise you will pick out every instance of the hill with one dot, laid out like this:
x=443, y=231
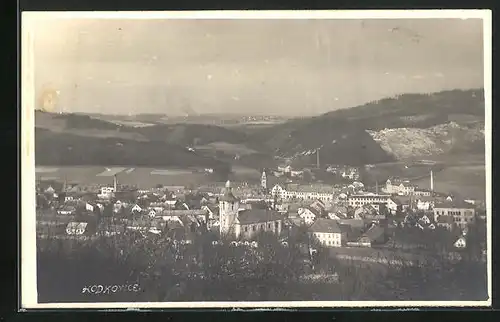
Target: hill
x=342, y=135
x=451, y=138
x=52, y=148
x=405, y=126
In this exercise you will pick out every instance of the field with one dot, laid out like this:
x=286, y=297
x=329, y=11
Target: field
x=468, y=181
x=142, y=177
x=409, y=170
x=227, y=148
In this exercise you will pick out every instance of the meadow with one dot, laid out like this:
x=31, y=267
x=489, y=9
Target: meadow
x=142, y=177
x=468, y=181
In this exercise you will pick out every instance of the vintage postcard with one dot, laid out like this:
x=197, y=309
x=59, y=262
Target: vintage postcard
x=263, y=159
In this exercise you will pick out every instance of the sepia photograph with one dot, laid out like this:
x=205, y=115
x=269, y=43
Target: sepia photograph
x=256, y=159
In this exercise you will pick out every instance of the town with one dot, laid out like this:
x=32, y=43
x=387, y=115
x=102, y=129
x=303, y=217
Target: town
x=348, y=216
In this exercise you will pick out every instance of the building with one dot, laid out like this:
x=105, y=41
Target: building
x=425, y=203
x=106, y=193
x=77, y=228
x=367, y=199
x=263, y=181
x=304, y=192
x=398, y=187
x=309, y=215
x=463, y=213
x=350, y=173
x=375, y=235
x=327, y=232
x=445, y=222
x=461, y=242
x=247, y=223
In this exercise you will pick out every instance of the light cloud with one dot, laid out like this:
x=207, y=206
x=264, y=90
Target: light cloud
x=268, y=64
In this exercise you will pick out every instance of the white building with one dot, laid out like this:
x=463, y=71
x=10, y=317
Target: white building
x=460, y=213
x=106, y=192
x=402, y=188
x=303, y=193
x=76, y=228
x=327, y=232
x=368, y=199
x=308, y=214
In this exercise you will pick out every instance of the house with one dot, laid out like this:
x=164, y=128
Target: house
x=76, y=228
x=285, y=169
x=461, y=242
x=350, y=173
x=425, y=203
x=318, y=205
x=393, y=205
x=462, y=213
x=136, y=209
x=374, y=217
x=154, y=212
x=422, y=192
x=399, y=187
x=424, y=219
x=327, y=232
x=353, y=223
x=309, y=215
x=445, y=222
x=335, y=215
x=180, y=233
x=374, y=236
x=364, y=210
x=67, y=210
x=110, y=229
x=89, y=207
x=211, y=211
x=106, y=193
x=338, y=210
x=144, y=225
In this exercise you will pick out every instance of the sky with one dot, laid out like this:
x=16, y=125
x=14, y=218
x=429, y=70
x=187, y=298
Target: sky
x=269, y=67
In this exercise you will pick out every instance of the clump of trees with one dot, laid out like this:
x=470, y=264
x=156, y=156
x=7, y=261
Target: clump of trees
x=167, y=270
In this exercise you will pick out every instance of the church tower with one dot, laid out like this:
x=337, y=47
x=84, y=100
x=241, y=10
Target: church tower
x=228, y=212
x=388, y=186
x=263, y=181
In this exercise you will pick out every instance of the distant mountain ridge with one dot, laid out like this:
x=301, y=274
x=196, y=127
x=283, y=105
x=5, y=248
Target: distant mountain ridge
x=342, y=137
x=406, y=126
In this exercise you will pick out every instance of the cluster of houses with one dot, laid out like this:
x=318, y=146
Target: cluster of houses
x=336, y=216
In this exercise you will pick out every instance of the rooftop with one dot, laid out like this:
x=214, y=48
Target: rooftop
x=323, y=225
x=458, y=204
x=251, y=216
x=374, y=233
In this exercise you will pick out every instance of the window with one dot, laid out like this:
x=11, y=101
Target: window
x=277, y=224
x=246, y=228
x=254, y=228
x=262, y=226
x=269, y=225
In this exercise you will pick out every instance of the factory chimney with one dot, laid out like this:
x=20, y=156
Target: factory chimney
x=115, y=184
x=317, y=158
x=432, y=182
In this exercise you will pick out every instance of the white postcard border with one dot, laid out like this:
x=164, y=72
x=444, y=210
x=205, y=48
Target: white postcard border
x=28, y=221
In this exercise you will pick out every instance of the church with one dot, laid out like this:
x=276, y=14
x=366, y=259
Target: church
x=245, y=224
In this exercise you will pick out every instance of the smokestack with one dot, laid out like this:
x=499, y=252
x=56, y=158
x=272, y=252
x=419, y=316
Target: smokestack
x=432, y=182
x=376, y=187
x=114, y=182
x=317, y=158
